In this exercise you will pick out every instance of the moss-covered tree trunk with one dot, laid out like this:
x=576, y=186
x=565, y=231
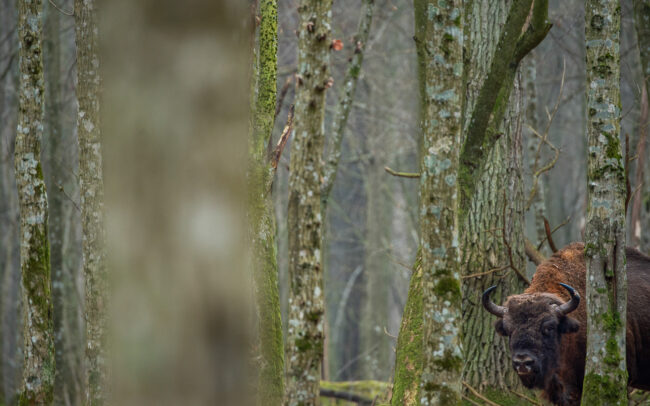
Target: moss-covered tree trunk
x=605, y=371
x=410, y=344
x=261, y=215
x=92, y=201
x=439, y=38
x=38, y=372
x=305, y=334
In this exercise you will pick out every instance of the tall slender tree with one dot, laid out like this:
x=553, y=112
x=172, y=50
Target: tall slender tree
x=38, y=373
x=605, y=380
x=261, y=215
x=305, y=335
x=92, y=200
x=439, y=41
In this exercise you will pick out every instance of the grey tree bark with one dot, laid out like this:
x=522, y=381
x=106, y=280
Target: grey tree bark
x=91, y=183
x=605, y=380
x=38, y=372
x=305, y=335
x=439, y=39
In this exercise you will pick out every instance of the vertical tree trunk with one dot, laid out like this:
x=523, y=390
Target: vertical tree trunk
x=306, y=312
x=38, y=373
x=439, y=36
x=261, y=214
x=375, y=344
x=494, y=216
x=605, y=371
x=92, y=201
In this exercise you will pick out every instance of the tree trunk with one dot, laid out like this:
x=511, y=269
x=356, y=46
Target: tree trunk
x=492, y=238
x=439, y=39
x=641, y=211
x=538, y=203
x=261, y=213
x=409, y=352
x=38, y=373
x=53, y=155
x=375, y=344
x=605, y=371
x=92, y=201
x=304, y=347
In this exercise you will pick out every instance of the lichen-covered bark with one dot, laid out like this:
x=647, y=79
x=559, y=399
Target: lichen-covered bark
x=439, y=38
x=305, y=333
x=91, y=184
x=409, y=352
x=605, y=371
x=345, y=105
x=38, y=372
x=492, y=220
x=261, y=215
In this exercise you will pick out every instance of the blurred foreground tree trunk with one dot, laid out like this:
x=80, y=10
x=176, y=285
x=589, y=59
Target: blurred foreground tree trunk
x=440, y=32
x=305, y=335
x=38, y=327
x=174, y=127
x=91, y=182
x=605, y=380
x=262, y=225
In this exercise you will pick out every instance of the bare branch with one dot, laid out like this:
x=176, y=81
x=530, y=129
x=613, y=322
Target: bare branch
x=533, y=253
x=562, y=224
x=549, y=237
x=478, y=395
x=402, y=174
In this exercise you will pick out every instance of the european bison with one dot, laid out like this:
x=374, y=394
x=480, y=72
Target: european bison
x=548, y=346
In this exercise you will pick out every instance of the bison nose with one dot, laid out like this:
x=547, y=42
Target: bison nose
x=523, y=363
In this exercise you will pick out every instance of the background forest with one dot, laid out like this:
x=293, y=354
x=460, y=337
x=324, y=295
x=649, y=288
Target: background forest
x=175, y=114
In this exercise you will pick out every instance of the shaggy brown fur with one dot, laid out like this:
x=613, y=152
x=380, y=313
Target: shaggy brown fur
x=533, y=326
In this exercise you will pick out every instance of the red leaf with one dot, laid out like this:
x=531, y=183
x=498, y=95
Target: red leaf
x=337, y=44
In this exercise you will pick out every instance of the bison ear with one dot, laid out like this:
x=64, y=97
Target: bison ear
x=569, y=325
x=500, y=328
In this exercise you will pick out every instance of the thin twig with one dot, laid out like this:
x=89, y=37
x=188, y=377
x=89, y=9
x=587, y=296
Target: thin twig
x=389, y=334
x=283, y=94
x=533, y=253
x=402, y=174
x=562, y=224
x=470, y=400
x=277, y=152
x=474, y=275
x=62, y=190
x=478, y=395
x=521, y=395
x=544, y=140
x=549, y=236
x=68, y=13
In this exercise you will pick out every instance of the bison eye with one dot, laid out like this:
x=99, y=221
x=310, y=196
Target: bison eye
x=548, y=330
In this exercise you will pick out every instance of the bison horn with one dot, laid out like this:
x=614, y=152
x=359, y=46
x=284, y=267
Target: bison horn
x=573, y=303
x=489, y=305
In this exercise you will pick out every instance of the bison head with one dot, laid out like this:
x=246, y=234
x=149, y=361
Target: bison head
x=534, y=324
